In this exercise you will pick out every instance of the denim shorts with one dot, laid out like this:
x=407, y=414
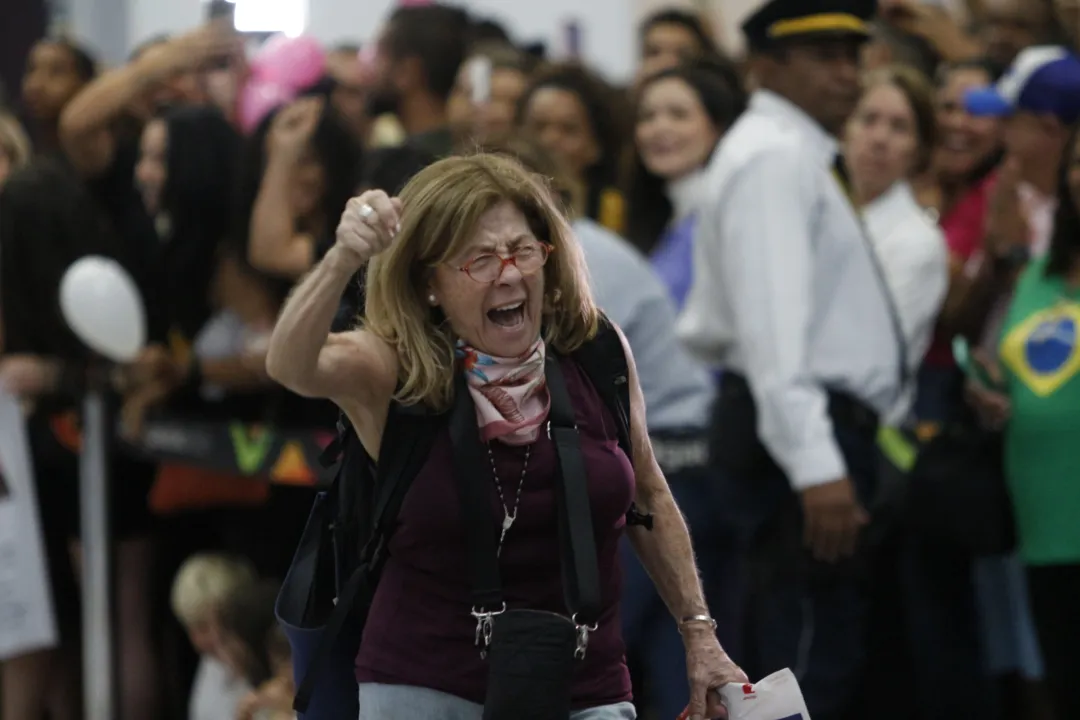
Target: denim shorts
x=406, y=702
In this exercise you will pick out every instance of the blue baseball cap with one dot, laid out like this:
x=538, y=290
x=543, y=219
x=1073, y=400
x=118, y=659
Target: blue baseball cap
x=1043, y=80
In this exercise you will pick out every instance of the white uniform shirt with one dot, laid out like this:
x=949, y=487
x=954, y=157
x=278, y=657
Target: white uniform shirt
x=915, y=261
x=785, y=290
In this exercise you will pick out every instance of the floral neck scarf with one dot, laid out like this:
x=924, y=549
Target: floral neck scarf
x=510, y=394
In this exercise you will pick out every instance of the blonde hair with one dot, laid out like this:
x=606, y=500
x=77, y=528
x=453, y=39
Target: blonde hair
x=14, y=141
x=204, y=582
x=442, y=206
x=918, y=91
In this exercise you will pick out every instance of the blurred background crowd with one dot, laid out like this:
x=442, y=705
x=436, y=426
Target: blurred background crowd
x=218, y=191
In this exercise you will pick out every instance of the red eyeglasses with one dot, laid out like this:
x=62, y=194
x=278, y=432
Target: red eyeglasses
x=528, y=258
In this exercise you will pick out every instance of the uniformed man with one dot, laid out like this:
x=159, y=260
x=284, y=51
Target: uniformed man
x=788, y=299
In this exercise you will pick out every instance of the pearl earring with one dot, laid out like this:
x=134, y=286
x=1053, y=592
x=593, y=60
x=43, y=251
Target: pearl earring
x=432, y=299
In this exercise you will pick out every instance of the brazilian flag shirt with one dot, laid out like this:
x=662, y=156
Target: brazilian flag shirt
x=1041, y=356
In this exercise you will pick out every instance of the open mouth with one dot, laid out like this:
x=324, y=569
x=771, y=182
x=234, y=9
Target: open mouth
x=508, y=316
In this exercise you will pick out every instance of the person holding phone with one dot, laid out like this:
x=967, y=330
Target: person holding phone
x=412, y=68
x=1033, y=392
x=486, y=95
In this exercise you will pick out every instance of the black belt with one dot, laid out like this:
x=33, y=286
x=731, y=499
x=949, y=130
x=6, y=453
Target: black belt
x=844, y=409
x=678, y=450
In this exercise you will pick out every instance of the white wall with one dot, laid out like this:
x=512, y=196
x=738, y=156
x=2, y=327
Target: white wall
x=607, y=28
x=607, y=25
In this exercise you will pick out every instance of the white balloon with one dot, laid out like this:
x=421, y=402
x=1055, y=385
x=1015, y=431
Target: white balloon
x=102, y=305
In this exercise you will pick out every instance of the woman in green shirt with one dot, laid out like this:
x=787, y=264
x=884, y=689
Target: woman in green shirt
x=1040, y=359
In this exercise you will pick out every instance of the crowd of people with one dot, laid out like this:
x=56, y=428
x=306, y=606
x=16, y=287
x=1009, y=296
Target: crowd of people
x=839, y=265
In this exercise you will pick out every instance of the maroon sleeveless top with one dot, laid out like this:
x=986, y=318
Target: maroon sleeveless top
x=419, y=631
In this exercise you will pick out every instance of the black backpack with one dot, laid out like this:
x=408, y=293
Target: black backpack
x=328, y=591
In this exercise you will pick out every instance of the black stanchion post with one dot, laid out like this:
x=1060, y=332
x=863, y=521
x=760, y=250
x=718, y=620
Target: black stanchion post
x=98, y=683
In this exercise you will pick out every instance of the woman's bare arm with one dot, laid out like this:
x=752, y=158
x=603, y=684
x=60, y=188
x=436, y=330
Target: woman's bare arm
x=349, y=368
x=665, y=551
x=274, y=245
x=84, y=124
x=970, y=298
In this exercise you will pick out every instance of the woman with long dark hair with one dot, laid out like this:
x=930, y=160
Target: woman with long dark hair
x=576, y=115
x=300, y=168
x=185, y=175
x=682, y=113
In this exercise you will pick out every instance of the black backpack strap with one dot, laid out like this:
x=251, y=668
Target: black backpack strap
x=581, y=573
x=473, y=474
x=603, y=358
x=333, y=452
x=577, y=543
x=407, y=439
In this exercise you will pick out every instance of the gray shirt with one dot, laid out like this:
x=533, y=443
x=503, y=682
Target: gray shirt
x=678, y=390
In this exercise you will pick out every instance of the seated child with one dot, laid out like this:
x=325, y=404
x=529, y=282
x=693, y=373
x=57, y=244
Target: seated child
x=251, y=646
x=202, y=588
x=274, y=698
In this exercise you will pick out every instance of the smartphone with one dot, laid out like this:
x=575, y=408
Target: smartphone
x=215, y=11
x=480, y=77
x=220, y=8
x=972, y=369
x=572, y=39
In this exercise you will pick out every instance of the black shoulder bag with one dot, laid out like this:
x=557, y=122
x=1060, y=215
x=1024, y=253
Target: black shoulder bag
x=531, y=653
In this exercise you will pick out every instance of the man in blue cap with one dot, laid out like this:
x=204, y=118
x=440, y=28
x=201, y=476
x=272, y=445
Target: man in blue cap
x=788, y=300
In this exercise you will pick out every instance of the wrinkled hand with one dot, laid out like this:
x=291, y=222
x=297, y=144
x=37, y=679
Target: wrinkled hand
x=361, y=238
x=293, y=127
x=833, y=519
x=709, y=669
x=28, y=376
x=991, y=405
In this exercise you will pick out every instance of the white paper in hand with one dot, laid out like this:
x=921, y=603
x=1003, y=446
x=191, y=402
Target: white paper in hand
x=26, y=615
x=777, y=697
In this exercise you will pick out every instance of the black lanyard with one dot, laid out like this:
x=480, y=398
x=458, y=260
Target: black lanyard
x=840, y=171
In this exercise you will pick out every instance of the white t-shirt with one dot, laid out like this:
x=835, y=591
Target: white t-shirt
x=216, y=694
